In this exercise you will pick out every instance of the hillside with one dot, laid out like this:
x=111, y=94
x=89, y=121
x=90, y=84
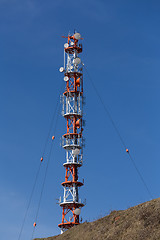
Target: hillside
x=136, y=223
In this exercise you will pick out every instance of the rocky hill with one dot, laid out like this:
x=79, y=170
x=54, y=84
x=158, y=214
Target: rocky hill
x=136, y=223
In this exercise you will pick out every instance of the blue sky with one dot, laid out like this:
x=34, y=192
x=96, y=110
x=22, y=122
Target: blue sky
x=122, y=54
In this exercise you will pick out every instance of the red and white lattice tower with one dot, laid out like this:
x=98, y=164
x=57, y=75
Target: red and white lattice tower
x=72, y=141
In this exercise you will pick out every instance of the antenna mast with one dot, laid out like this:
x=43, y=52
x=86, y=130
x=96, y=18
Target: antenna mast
x=72, y=141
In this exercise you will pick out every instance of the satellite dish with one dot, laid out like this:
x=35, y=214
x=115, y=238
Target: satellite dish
x=66, y=78
x=66, y=45
x=77, y=36
x=76, y=61
x=72, y=43
x=77, y=211
x=61, y=69
x=71, y=67
x=75, y=151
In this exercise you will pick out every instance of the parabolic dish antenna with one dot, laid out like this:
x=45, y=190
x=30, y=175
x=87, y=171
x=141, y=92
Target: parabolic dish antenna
x=66, y=45
x=76, y=61
x=75, y=151
x=66, y=78
x=77, y=36
x=61, y=69
x=77, y=211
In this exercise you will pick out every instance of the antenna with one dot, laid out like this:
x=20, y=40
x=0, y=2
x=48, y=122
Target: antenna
x=72, y=140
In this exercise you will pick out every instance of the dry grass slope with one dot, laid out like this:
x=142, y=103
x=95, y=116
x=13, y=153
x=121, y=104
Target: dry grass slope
x=136, y=223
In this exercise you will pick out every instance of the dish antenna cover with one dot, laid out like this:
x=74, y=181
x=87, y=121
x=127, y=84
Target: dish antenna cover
x=77, y=36
x=77, y=211
x=61, y=69
x=66, y=45
x=76, y=61
x=66, y=78
x=76, y=151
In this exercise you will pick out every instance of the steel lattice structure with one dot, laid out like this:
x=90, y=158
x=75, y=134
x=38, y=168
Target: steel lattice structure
x=72, y=141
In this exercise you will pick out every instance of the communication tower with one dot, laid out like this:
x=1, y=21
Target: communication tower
x=72, y=141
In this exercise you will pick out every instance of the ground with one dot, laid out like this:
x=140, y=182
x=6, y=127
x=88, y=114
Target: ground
x=136, y=223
